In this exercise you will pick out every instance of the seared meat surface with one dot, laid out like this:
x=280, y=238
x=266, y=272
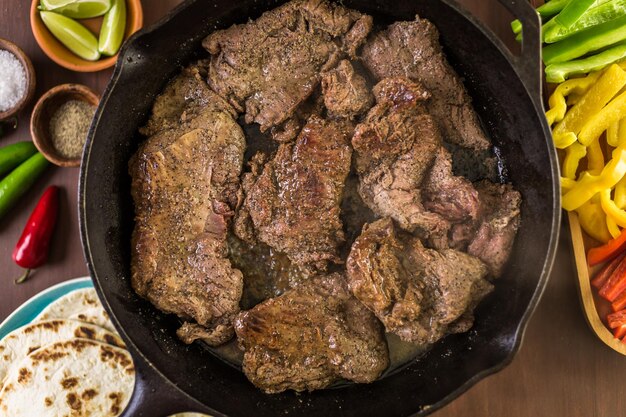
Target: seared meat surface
x=293, y=202
x=417, y=293
x=268, y=67
x=346, y=93
x=310, y=337
x=185, y=182
x=412, y=50
x=395, y=147
x=494, y=238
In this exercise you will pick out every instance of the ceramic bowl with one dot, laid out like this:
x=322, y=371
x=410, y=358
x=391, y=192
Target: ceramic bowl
x=30, y=78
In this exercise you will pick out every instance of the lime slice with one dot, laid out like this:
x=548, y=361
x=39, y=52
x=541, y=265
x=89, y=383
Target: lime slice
x=76, y=37
x=113, y=28
x=77, y=9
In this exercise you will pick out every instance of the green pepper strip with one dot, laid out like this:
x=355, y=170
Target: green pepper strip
x=603, y=11
x=589, y=40
x=589, y=184
x=557, y=73
x=572, y=13
x=546, y=11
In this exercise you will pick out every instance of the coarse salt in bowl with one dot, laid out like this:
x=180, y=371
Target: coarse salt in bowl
x=17, y=79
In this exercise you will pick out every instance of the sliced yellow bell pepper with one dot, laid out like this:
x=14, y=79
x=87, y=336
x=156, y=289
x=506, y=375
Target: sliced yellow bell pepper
x=612, y=113
x=622, y=132
x=593, y=220
x=614, y=229
x=567, y=184
x=620, y=193
x=573, y=154
x=576, y=87
x=612, y=134
x=598, y=95
x=618, y=215
x=595, y=158
x=589, y=184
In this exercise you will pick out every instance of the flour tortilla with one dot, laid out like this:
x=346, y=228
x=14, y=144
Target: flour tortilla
x=19, y=343
x=78, y=377
x=82, y=305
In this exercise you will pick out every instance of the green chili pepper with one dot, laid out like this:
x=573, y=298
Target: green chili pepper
x=76, y=37
x=77, y=9
x=15, y=185
x=113, y=29
x=602, y=12
x=557, y=73
x=572, y=12
x=13, y=155
x=588, y=40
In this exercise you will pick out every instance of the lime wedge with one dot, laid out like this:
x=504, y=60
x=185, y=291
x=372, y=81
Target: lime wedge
x=76, y=37
x=77, y=9
x=113, y=28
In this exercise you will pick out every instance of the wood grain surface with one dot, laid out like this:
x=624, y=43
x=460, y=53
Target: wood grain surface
x=562, y=369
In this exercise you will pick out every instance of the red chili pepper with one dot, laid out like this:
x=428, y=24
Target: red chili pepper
x=32, y=249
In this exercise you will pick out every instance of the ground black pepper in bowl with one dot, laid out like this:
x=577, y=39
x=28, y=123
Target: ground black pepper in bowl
x=69, y=126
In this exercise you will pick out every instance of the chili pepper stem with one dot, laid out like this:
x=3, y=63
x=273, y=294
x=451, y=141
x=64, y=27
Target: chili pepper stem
x=23, y=277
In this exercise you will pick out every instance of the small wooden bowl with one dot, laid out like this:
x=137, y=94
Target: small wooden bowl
x=30, y=78
x=43, y=112
x=57, y=52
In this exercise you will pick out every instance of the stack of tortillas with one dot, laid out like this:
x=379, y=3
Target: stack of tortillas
x=68, y=362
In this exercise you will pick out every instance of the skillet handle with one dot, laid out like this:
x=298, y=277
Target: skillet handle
x=153, y=396
x=528, y=65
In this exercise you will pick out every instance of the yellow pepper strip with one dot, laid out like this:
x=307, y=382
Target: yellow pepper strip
x=620, y=193
x=611, y=81
x=573, y=99
x=595, y=159
x=577, y=87
x=618, y=215
x=593, y=220
x=589, y=184
x=612, y=134
x=622, y=132
x=614, y=229
x=567, y=184
x=601, y=121
x=573, y=155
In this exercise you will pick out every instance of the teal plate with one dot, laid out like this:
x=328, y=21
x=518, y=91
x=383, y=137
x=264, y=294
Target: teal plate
x=25, y=313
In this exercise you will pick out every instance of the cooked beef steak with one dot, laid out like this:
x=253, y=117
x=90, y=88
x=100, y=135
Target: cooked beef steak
x=310, y=337
x=493, y=241
x=417, y=293
x=395, y=147
x=267, y=67
x=293, y=203
x=412, y=50
x=455, y=198
x=346, y=93
x=184, y=184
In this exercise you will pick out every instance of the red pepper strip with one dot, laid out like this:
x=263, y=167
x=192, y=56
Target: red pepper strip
x=617, y=319
x=616, y=283
x=620, y=332
x=603, y=275
x=607, y=251
x=32, y=249
x=619, y=303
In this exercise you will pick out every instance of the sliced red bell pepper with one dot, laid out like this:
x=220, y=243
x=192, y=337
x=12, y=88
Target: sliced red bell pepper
x=616, y=284
x=607, y=251
x=616, y=319
x=620, y=332
x=603, y=275
x=619, y=303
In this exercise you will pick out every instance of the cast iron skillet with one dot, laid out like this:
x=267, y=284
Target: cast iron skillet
x=173, y=377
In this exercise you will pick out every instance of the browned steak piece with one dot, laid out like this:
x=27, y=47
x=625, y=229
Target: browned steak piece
x=185, y=182
x=501, y=218
x=292, y=203
x=455, y=198
x=267, y=67
x=395, y=147
x=417, y=293
x=310, y=337
x=182, y=98
x=412, y=49
x=346, y=93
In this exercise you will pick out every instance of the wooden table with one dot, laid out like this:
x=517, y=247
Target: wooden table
x=561, y=369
